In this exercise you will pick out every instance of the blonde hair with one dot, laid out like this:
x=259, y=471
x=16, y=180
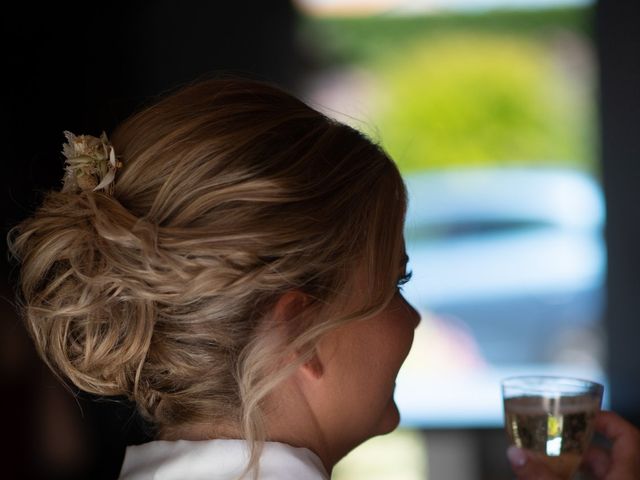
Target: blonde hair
x=232, y=193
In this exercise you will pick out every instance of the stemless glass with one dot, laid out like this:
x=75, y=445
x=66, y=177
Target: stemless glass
x=552, y=417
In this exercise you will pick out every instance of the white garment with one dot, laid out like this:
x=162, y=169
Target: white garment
x=217, y=460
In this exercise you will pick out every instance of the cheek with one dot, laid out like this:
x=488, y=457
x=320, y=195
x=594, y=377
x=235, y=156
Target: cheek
x=387, y=358
x=369, y=373
x=397, y=342
x=371, y=359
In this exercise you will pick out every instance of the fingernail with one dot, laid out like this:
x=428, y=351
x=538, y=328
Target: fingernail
x=516, y=456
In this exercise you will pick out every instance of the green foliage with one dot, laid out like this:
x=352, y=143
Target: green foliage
x=482, y=89
x=463, y=100
x=362, y=39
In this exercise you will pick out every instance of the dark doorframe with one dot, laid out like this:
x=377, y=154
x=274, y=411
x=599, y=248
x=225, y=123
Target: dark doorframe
x=618, y=38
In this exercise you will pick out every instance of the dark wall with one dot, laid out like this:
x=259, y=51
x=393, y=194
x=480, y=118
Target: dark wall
x=619, y=57
x=85, y=67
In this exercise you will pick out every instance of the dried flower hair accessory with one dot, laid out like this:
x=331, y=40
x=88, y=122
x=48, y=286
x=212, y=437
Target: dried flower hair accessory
x=91, y=163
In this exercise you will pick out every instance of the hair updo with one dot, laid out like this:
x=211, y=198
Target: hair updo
x=232, y=193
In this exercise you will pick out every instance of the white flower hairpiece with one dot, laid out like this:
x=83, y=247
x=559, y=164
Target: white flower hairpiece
x=91, y=163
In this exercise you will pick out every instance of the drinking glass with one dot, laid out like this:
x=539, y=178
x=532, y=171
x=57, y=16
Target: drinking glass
x=552, y=417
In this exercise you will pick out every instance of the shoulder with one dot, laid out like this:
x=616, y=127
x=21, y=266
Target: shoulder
x=217, y=460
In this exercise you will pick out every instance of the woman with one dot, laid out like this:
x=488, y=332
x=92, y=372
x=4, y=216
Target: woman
x=231, y=260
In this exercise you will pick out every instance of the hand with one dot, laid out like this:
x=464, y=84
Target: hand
x=621, y=462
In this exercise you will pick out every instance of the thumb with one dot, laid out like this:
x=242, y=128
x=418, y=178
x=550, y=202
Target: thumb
x=527, y=466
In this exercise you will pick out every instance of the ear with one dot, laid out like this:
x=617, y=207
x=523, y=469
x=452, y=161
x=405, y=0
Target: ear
x=313, y=367
x=289, y=307
x=286, y=315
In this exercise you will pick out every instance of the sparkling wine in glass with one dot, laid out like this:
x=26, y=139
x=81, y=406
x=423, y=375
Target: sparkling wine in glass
x=552, y=417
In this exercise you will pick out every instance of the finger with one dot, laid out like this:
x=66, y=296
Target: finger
x=611, y=425
x=597, y=461
x=625, y=437
x=525, y=466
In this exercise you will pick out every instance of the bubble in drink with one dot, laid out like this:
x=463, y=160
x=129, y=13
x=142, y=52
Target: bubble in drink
x=558, y=430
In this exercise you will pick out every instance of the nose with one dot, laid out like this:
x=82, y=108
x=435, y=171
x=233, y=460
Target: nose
x=414, y=315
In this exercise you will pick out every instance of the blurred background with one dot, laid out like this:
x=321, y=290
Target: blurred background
x=515, y=125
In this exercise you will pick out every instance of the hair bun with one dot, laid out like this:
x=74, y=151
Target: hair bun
x=86, y=322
